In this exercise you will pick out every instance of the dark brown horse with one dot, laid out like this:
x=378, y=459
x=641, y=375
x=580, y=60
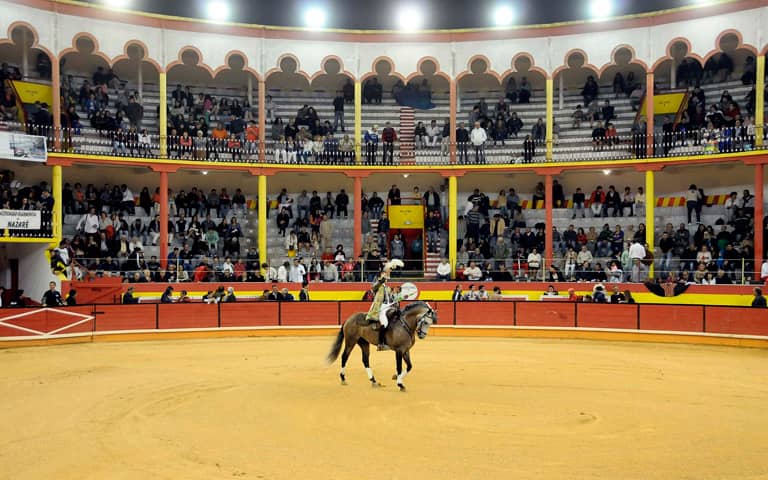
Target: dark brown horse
x=400, y=336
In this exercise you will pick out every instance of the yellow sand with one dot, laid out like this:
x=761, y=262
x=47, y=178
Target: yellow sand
x=475, y=408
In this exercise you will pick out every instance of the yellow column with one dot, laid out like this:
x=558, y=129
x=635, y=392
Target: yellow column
x=550, y=117
x=163, y=120
x=358, y=120
x=262, y=219
x=57, y=217
x=759, y=100
x=453, y=216
x=650, y=207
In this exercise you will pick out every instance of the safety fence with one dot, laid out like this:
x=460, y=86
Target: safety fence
x=47, y=323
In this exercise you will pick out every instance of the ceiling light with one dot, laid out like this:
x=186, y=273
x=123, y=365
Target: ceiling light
x=315, y=17
x=503, y=16
x=116, y=3
x=217, y=11
x=409, y=19
x=600, y=9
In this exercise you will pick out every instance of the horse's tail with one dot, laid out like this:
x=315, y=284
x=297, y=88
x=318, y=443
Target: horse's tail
x=336, y=348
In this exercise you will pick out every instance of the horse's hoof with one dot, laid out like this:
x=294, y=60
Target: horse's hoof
x=394, y=377
x=375, y=384
x=401, y=387
x=344, y=382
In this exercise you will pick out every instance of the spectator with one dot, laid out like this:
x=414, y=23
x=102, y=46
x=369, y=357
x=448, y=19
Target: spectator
x=52, y=297
x=371, y=140
x=759, y=300
x=478, y=138
x=694, y=201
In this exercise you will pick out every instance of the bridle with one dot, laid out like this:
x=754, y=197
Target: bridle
x=428, y=316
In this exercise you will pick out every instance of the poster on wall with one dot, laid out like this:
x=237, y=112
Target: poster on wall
x=20, y=219
x=19, y=146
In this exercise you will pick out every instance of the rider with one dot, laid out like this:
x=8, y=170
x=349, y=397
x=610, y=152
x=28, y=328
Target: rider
x=383, y=301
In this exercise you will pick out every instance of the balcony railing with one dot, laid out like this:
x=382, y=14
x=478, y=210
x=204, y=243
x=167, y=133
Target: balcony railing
x=338, y=151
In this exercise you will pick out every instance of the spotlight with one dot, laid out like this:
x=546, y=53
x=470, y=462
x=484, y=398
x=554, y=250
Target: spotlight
x=204, y=172
x=116, y=3
x=606, y=172
x=217, y=11
x=409, y=19
x=600, y=9
x=503, y=16
x=315, y=17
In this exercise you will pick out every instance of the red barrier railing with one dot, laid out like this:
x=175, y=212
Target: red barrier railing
x=85, y=319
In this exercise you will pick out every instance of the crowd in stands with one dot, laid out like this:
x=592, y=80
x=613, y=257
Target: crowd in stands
x=498, y=244
x=15, y=195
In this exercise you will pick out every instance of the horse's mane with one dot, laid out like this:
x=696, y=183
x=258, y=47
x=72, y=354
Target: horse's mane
x=413, y=305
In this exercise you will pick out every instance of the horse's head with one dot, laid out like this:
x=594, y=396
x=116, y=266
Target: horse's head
x=424, y=317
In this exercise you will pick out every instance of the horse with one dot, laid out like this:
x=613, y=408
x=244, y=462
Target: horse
x=400, y=336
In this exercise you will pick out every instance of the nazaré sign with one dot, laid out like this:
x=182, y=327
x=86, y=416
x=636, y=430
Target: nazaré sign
x=20, y=219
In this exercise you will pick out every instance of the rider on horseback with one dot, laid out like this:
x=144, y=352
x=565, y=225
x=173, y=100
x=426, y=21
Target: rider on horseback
x=385, y=302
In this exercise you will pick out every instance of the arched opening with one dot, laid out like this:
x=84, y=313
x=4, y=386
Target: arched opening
x=216, y=108
x=21, y=59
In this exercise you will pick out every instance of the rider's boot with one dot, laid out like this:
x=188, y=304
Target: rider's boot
x=382, y=341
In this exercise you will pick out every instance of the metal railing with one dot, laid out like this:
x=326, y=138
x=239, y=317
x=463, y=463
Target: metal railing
x=340, y=150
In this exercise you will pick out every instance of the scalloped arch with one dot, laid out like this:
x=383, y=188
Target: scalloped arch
x=489, y=69
x=96, y=50
x=246, y=67
x=278, y=68
x=393, y=71
x=200, y=62
x=35, y=38
x=586, y=64
x=323, y=70
x=418, y=72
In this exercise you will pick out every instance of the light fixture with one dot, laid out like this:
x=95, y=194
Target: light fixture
x=409, y=19
x=315, y=17
x=217, y=11
x=503, y=16
x=606, y=172
x=116, y=3
x=600, y=9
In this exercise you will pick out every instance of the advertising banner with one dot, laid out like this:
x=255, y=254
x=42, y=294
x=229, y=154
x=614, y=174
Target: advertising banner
x=20, y=219
x=19, y=146
x=406, y=216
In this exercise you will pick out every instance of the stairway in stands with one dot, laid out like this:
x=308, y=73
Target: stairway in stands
x=407, y=125
x=434, y=258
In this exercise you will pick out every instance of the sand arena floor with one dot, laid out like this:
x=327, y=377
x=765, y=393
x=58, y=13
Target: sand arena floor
x=475, y=408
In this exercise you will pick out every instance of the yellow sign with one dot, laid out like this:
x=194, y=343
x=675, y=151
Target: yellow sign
x=406, y=216
x=29, y=92
x=666, y=103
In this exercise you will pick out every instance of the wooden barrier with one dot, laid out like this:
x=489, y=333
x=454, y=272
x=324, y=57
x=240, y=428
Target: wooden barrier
x=47, y=324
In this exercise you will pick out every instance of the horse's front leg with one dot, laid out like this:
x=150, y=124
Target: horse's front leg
x=400, y=373
x=366, y=349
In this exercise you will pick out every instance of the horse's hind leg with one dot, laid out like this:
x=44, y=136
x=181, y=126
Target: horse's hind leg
x=348, y=346
x=365, y=347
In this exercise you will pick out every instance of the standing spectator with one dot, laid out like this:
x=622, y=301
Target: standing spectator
x=759, y=300
x=371, y=140
x=388, y=139
x=693, y=202
x=342, y=204
x=338, y=112
x=478, y=138
x=52, y=297
x=529, y=149
x=462, y=143
x=578, y=203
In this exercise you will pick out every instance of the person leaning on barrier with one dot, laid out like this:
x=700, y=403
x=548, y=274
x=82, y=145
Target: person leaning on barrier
x=128, y=298
x=51, y=297
x=167, y=296
x=759, y=300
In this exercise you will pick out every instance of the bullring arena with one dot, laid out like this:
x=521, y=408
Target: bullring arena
x=567, y=204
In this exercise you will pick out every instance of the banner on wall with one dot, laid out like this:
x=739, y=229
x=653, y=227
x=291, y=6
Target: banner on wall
x=19, y=146
x=30, y=92
x=20, y=219
x=406, y=216
x=666, y=103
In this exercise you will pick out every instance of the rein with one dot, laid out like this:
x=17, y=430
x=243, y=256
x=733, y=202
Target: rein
x=418, y=321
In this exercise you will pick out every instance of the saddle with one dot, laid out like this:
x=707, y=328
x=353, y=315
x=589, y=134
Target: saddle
x=393, y=315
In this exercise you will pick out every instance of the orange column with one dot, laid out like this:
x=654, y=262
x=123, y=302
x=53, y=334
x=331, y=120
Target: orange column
x=56, y=93
x=163, y=219
x=357, y=216
x=549, y=204
x=452, y=114
x=262, y=120
x=649, y=112
x=759, y=214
